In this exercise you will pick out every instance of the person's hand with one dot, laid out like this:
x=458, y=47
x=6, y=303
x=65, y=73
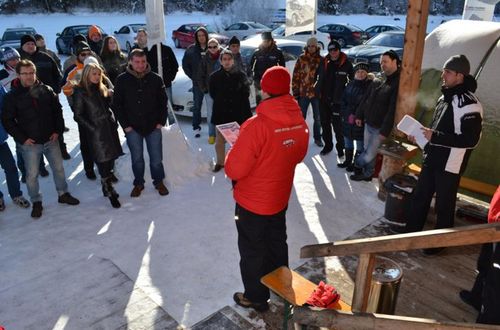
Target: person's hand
x=128, y=129
x=29, y=142
x=427, y=133
x=159, y=125
x=359, y=122
x=53, y=137
x=412, y=139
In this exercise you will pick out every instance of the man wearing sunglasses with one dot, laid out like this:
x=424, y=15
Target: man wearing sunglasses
x=334, y=73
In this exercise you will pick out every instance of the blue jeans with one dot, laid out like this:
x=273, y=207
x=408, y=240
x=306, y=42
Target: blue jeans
x=210, y=106
x=9, y=166
x=349, y=144
x=304, y=105
x=32, y=155
x=366, y=160
x=197, y=103
x=20, y=161
x=135, y=142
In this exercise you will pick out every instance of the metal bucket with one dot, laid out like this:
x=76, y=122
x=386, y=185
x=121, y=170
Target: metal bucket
x=384, y=288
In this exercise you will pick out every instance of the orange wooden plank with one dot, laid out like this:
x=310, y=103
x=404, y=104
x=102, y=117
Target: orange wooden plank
x=293, y=287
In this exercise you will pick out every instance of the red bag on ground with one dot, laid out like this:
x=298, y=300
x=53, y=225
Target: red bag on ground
x=324, y=296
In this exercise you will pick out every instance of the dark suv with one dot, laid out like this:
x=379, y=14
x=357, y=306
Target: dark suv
x=345, y=34
x=12, y=36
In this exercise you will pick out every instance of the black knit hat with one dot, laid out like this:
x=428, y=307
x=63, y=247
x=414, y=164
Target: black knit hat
x=362, y=66
x=82, y=47
x=334, y=44
x=459, y=64
x=266, y=36
x=79, y=38
x=234, y=41
x=27, y=38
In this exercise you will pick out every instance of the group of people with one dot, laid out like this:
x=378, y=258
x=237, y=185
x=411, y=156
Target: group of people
x=104, y=88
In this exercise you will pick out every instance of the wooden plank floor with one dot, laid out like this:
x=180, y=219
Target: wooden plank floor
x=430, y=285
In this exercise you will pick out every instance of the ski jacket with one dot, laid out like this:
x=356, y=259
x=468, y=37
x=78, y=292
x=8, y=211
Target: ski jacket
x=305, y=75
x=333, y=77
x=457, y=124
x=263, y=159
x=353, y=94
x=264, y=58
x=47, y=70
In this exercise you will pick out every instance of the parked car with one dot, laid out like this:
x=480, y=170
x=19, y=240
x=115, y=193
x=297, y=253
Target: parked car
x=64, y=41
x=371, y=51
x=126, y=35
x=12, y=36
x=298, y=14
x=242, y=30
x=376, y=29
x=323, y=38
x=278, y=17
x=181, y=86
x=345, y=34
x=184, y=35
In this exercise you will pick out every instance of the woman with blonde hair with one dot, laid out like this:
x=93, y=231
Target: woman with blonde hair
x=91, y=101
x=113, y=59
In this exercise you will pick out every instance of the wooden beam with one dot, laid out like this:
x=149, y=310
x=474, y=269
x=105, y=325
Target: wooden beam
x=363, y=282
x=467, y=235
x=341, y=320
x=416, y=26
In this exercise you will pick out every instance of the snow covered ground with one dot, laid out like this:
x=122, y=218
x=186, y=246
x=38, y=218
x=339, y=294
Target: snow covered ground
x=180, y=250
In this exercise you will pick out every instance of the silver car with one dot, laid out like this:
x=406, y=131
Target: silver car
x=182, y=85
x=126, y=35
x=242, y=30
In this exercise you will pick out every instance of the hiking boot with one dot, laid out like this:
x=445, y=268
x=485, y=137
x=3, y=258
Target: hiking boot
x=66, y=198
x=162, y=190
x=240, y=300
x=21, y=202
x=197, y=132
x=326, y=151
x=348, y=159
x=136, y=192
x=36, y=211
x=360, y=177
x=2, y=204
x=217, y=168
x=319, y=143
x=43, y=172
x=90, y=175
x=65, y=155
x=211, y=139
x=468, y=298
x=113, y=178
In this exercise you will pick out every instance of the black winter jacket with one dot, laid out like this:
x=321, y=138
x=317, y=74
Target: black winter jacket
x=32, y=113
x=192, y=58
x=379, y=106
x=353, y=95
x=333, y=77
x=92, y=112
x=46, y=69
x=114, y=64
x=140, y=101
x=168, y=62
x=208, y=64
x=263, y=59
x=230, y=91
x=457, y=124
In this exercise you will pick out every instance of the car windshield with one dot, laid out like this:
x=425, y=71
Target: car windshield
x=258, y=26
x=279, y=31
x=355, y=28
x=210, y=29
x=15, y=35
x=387, y=40
x=136, y=28
x=82, y=30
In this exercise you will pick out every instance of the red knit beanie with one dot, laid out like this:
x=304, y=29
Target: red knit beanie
x=276, y=81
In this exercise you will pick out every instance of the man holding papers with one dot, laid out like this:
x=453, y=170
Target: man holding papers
x=454, y=131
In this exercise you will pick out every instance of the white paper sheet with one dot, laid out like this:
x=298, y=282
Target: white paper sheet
x=410, y=126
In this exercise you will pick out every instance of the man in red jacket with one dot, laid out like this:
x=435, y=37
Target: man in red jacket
x=262, y=165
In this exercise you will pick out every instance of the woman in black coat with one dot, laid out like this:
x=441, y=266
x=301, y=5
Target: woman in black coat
x=353, y=94
x=230, y=90
x=91, y=100
x=113, y=60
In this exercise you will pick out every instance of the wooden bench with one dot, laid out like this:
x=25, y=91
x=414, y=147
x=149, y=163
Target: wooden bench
x=465, y=183
x=294, y=289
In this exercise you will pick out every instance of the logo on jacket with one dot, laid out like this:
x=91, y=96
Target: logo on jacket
x=289, y=142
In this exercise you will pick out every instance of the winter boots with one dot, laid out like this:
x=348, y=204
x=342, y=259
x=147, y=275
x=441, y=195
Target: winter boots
x=348, y=159
x=110, y=192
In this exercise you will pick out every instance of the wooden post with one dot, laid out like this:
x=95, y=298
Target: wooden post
x=416, y=26
x=363, y=282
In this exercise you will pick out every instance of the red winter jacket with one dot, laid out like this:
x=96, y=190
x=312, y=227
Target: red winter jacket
x=263, y=159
